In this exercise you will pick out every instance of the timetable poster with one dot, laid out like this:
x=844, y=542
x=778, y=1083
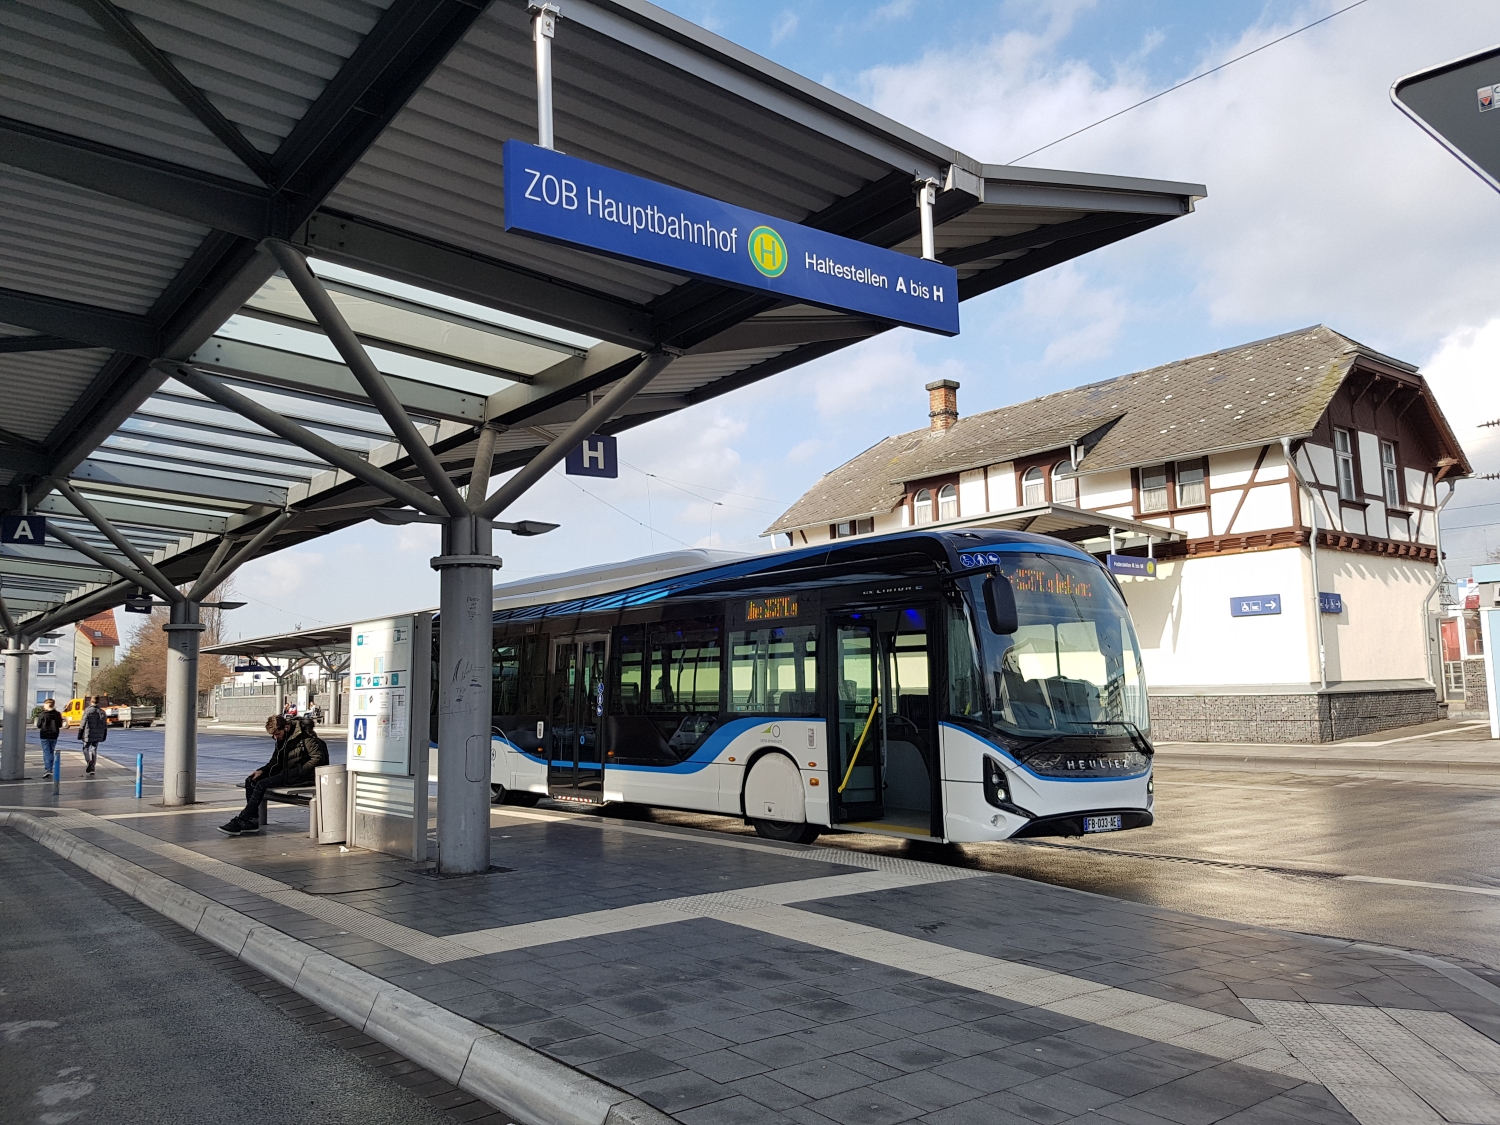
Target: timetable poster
x=380, y=663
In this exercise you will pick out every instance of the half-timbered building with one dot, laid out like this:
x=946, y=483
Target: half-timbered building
x=1302, y=473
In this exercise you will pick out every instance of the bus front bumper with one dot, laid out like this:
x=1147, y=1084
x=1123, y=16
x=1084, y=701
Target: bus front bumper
x=1073, y=823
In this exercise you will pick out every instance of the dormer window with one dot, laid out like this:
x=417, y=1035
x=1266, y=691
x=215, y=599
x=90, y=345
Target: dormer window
x=921, y=507
x=948, y=503
x=1064, y=489
x=1033, y=487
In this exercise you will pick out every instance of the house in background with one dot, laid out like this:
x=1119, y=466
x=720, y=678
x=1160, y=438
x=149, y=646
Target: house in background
x=1189, y=463
x=95, y=641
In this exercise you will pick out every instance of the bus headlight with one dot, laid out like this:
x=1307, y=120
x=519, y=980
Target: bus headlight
x=996, y=790
x=1150, y=788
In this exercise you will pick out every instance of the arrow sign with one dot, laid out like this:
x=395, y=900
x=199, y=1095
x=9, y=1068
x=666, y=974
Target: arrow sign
x=1255, y=605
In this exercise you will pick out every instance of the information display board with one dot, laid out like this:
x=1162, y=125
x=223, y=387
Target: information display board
x=380, y=684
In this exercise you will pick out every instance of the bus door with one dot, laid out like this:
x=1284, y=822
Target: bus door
x=575, y=717
x=883, y=733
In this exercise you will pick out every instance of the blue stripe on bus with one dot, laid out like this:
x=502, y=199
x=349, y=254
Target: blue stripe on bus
x=1004, y=753
x=704, y=756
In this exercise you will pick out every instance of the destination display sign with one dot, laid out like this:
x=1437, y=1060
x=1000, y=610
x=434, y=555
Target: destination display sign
x=771, y=609
x=564, y=199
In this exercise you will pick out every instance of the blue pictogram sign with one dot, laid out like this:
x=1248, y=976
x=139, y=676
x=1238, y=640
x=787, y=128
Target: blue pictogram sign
x=595, y=456
x=361, y=729
x=564, y=199
x=1331, y=603
x=1255, y=605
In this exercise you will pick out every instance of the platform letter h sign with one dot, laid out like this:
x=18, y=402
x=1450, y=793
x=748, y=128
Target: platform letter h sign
x=595, y=456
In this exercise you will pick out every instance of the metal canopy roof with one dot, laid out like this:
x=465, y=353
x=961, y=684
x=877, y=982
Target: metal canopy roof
x=148, y=151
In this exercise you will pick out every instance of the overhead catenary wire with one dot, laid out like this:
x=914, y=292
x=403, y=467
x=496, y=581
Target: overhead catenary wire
x=622, y=511
x=1190, y=81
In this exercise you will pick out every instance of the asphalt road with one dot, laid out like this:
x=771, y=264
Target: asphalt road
x=104, y=1020
x=223, y=758
x=1277, y=849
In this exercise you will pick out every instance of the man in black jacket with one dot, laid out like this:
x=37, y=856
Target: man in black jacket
x=48, y=727
x=298, y=753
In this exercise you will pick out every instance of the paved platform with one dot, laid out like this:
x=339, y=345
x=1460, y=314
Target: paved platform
x=1452, y=747
x=725, y=979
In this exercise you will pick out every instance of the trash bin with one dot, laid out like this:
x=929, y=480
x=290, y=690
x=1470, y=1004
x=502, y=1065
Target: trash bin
x=332, y=783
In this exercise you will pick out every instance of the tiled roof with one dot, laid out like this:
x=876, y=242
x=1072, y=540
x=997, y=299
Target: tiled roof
x=104, y=624
x=1247, y=395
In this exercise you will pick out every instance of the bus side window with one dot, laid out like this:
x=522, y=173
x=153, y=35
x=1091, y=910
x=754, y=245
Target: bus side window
x=519, y=677
x=774, y=671
x=664, y=690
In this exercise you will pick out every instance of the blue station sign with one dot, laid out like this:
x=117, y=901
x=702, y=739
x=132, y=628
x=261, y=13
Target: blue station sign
x=1330, y=603
x=595, y=456
x=1131, y=564
x=563, y=199
x=1255, y=605
x=24, y=531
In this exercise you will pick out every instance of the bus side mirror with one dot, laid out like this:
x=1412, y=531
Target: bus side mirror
x=1000, y=605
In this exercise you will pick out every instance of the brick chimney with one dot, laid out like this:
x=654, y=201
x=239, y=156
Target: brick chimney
x=942, y=399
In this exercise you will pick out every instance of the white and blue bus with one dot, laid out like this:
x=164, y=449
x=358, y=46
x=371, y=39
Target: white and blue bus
x=945, y=685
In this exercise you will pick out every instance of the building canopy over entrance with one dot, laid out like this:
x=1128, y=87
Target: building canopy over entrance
x=258, y=287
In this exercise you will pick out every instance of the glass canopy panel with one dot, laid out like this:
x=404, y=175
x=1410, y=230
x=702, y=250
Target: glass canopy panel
x=430, y=331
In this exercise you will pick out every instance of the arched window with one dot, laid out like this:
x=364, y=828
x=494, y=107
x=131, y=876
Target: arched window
x=921, y=507
x=1064, y=489
x=1033, y=487
x=948, y=503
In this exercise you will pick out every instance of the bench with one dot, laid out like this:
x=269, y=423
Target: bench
x=301, y=795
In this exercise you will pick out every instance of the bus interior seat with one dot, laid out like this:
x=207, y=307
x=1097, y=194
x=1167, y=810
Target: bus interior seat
x=797, y=703
x=630, y=698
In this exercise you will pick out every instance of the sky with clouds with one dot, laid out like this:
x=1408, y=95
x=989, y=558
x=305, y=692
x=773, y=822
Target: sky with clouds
x=1325, y=205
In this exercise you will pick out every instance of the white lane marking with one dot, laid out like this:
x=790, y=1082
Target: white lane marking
x=1150, y=1017
x=193, y=811
x=393, y=935
x=1391, y=1066
x=499, y=939
x=1172, y=783
x=14, y=1029
x=1493, y=892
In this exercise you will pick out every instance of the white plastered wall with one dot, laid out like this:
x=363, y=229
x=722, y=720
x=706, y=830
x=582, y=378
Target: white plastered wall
x=1002, y=481
x=971, y=493
x=1189, y=638
x=1379, y=634
x=1107, y=490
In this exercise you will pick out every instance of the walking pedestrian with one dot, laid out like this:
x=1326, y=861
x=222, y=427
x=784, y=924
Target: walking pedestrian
x=48, y=727
x=93, y=728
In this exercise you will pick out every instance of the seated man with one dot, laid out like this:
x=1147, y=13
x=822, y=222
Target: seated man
x=298, y=753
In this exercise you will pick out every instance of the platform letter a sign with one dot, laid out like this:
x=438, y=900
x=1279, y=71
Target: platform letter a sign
x=594, y=457
x=29, y=531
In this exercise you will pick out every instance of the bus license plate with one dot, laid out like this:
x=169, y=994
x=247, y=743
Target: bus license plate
x=1102, y=823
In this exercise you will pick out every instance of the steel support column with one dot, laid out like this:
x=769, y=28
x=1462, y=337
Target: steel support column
x=463, y=692
x=180, y=764
x=17, y=714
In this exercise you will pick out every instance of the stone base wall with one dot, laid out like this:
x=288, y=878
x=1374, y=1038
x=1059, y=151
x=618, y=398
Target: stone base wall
x=258, y=708
x=1476, y=690
x=1305, y=717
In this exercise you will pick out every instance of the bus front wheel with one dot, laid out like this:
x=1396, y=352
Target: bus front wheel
x=499, y=795
x=786, y=831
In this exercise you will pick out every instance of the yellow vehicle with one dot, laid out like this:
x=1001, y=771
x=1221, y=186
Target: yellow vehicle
x=73, y=713
x=116, y=715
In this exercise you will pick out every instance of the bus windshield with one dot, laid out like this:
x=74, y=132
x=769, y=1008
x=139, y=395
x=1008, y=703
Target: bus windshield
x=1073, y=666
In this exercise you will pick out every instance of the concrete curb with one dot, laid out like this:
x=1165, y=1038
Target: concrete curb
x=510, y=1076
x=1191, y=759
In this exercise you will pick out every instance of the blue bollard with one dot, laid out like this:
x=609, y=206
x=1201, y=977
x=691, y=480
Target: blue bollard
x=139, y=769
x=56, y=772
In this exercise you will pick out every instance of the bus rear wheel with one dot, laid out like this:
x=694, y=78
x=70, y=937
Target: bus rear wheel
x=786, y=831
